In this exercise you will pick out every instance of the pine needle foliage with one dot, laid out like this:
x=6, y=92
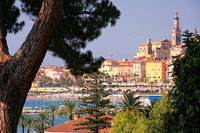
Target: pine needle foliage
x=82, y=22
x=186, y=92
x=95, y=104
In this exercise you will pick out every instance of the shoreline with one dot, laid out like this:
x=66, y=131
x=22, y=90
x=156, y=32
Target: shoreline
x=68, y=96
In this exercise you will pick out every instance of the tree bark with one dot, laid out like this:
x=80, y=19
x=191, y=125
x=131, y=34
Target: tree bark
x=18, y=72
x=4, y=53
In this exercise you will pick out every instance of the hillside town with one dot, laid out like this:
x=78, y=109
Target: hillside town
x=152, y=62
x=150, y=65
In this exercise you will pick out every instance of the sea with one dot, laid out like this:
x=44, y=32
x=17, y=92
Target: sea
x=44, y=103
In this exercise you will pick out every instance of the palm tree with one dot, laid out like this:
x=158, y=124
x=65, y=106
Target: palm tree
x=29, y=122
x=42, y=122
x=52, y=111
x=68, y=110
x=130, y=101
x=22, y=121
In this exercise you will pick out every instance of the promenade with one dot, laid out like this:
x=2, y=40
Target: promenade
x=67, y=96
x=30, y=111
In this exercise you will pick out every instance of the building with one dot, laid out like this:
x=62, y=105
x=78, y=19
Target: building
x=125, y=67
x=161, y=50
x=176, y=32
x=54, y=72
x=158, y=50
x=110, y=67
x=177, y=50
x=145, y=48
x=149, y=45
x=167, y=70
x=148, y=55
x=139, y=70
x=155, y=70
x=125, y=70
x=69, y=126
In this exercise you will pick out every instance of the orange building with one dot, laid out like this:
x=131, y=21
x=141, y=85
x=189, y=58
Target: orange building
x=125, y=70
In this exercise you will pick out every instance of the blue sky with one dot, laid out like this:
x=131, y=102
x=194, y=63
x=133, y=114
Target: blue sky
x=139, y=19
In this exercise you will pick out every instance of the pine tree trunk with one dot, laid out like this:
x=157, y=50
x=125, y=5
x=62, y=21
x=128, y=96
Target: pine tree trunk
x=4, y=53
x=18, y=72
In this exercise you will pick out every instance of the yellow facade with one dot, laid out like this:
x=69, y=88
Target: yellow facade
x=155, y=71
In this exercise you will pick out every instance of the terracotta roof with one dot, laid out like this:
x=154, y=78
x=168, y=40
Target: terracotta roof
x=182, y=55
x=59, y=70
x=70, y=125
x=143, y=45
x=156, y=43
x=129, y=61
x=138, y=61
x=107, y=65
x=178, y=46
x=85, y=84
x=108, y=60
x=140, y=57
x=153, y=43
x=154, y=61
x=125, y=65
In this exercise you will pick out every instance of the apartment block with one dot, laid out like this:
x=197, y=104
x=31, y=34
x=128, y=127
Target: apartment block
x=155, y=70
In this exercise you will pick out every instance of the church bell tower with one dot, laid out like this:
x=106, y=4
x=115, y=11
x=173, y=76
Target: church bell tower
x=149, y=45
x=176, y=32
